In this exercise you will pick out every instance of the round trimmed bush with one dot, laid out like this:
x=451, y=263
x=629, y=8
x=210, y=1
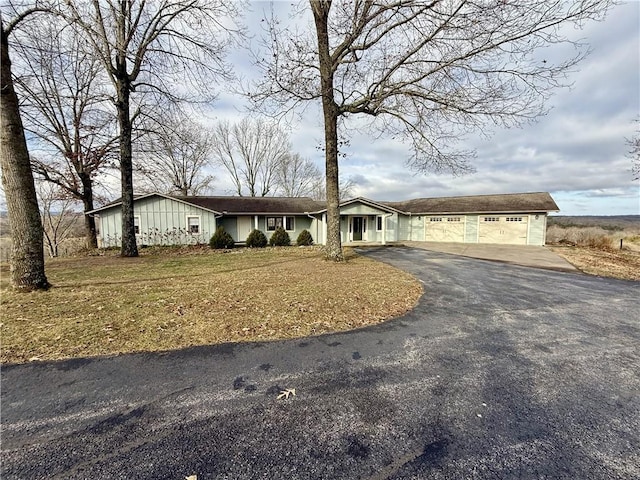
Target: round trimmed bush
x=304, y=239
x=279, y=238
x=256, y=239
x=221, y=239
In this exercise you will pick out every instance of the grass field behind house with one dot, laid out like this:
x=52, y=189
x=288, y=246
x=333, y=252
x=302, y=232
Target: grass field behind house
x=593, y=244
x=176, y=298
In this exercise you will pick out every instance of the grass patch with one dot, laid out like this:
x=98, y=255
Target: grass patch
x=623, y=264
x=169, y=299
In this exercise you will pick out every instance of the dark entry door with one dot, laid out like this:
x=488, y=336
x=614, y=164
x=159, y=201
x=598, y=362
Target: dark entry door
x=357, y=228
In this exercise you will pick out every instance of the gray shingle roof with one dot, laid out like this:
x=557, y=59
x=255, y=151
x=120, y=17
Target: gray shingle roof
x=255, y=205
x=503, y=203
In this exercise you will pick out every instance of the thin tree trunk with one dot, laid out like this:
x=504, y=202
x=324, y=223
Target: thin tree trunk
x=129, y=247
x=330, y=110
x=27, y=252
x=87, y=202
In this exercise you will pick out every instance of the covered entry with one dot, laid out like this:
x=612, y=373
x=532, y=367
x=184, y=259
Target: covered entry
x=357, y=228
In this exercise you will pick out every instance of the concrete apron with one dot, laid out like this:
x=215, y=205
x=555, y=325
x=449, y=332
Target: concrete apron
x=525, y=255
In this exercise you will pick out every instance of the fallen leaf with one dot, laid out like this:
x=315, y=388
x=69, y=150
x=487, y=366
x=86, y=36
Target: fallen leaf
x=285, y=393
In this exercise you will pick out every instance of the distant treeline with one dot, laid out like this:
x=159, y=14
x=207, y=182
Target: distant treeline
x=611, y=223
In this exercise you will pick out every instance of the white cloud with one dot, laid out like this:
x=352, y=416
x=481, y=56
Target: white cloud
x=576, y=152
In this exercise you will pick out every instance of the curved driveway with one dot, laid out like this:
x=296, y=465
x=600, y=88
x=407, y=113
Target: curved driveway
x=500, y=372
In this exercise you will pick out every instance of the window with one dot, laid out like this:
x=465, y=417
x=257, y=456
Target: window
x=379, y=223
x=136, y=224
x=289, y=223
x=435, y=219
x=275, y=222
x=514, y=219
x=453, y=219
x=272, y=223
x=193, y=225
x=491, y=219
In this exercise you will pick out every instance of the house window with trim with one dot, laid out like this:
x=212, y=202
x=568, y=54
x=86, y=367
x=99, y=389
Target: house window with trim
x=136, y=224
x=273, y=223
x=290, y=223
x=379, y=220
x=193, y=225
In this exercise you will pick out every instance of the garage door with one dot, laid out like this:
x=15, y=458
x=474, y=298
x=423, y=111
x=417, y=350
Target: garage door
x=444, y=229
x=510, y=230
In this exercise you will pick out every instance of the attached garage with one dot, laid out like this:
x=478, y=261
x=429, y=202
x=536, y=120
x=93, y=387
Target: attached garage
x=501, y=229
x=444, y=229
x=506, y=219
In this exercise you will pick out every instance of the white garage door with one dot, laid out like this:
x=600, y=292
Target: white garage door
x=510, y=230
x=444, y=229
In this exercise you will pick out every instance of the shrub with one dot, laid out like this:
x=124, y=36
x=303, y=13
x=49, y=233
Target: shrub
x=221, y=239
x=304, y=239
x=256, y=239
x=279, y=238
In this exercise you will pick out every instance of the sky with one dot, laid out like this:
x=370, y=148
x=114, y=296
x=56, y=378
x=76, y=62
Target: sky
x=577, y=152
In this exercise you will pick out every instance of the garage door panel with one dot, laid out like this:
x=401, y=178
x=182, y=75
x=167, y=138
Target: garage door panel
x=511, y=230
x=447, y=229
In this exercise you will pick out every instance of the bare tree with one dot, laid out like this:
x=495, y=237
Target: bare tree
x=297, y=176
x=27, y=257
x=251, y=151
x=58, y=215
x=426, y=71
x=175, y=155
x=68, y=110
x=634, y=153
x=346, y=189
x=145, y=47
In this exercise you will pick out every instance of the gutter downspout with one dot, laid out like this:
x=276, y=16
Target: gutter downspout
x=313, y=218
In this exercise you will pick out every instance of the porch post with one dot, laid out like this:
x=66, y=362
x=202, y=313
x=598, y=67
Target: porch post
x=384, y=229
x=255, y=219
x=324, y=228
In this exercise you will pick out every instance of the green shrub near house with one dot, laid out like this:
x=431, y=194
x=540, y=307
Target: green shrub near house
x=256, y=239
x=280, y=238
x=221, y=239
x=304, y=239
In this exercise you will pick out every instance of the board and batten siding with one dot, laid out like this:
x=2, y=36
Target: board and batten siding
x=161, y=221
x=471, y=229
x=537, y=229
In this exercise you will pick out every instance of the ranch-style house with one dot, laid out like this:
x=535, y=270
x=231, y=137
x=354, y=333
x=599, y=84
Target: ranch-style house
x=516, y=219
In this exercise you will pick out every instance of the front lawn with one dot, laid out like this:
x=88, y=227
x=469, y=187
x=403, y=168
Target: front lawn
x=168, y=299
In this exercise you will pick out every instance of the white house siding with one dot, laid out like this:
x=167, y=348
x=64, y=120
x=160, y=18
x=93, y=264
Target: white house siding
x=161, y=221
x=471, y=229
x=403, y=227
x=537, y=229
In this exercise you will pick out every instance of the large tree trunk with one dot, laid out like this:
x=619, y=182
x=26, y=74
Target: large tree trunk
x=87, y=202
x=27, y=255
x=129, y=247
x=330, y=110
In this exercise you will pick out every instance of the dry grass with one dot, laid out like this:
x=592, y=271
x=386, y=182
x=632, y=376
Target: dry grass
x=174, y=298
x=596, y=250
x=624, y=264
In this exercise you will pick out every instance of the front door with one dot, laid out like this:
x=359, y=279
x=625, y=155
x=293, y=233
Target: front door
x=357, y=228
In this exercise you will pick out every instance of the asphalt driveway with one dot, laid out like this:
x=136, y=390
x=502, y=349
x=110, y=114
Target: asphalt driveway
x=500, y=372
